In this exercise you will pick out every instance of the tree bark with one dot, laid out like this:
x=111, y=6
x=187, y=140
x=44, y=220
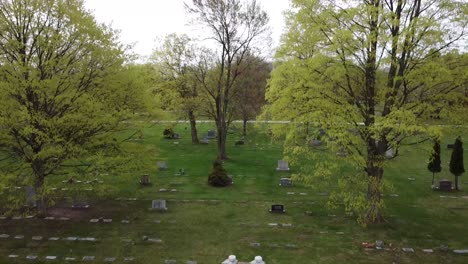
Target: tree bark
x=244, y=128
x=456, y=182
x=222, y=141
x=193, y=127
x=41, y=204
x=374, y=184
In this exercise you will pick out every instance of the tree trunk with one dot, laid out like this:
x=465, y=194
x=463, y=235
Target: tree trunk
x=456, y=182
x=41, y=203
x=374, y=168
x=374, y=185
x=222, y=141
x=193, y=127
x=433, y=175
x=244, y=128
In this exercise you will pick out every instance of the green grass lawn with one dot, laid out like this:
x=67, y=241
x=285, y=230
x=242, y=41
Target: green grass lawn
x=207, y=224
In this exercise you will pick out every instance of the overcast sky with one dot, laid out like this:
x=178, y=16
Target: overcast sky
x=141, y=21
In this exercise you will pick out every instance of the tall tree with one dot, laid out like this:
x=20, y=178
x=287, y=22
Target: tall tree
x=250, y=89
x=434, y=160
x=456, y=161
x=367, y=74
x=175, y=59
x=235, y=28
x=55, y=66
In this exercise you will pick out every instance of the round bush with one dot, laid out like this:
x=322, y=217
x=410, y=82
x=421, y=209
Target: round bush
x=218, y=176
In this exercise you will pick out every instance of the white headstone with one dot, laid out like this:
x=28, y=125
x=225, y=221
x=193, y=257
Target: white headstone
x=282, y=166
x=257, y=260
x=230, y=260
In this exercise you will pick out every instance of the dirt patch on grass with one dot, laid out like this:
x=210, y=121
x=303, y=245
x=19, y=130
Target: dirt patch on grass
x=73, y=214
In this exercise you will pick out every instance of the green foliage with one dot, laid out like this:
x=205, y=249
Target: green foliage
x=368, y=74
x=434, y=164
x=456, y=160
x=218, y=176
x=63, y=87
x=434, y=161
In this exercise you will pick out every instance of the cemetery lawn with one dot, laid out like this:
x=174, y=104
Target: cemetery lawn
x=207, y=224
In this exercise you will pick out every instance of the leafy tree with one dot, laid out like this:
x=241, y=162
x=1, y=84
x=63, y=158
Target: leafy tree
x=366, y=73
x=456, y=161
x=56, y=82
x=175, y=59
x=434, y=161
x=234, y=27
x=250, y=89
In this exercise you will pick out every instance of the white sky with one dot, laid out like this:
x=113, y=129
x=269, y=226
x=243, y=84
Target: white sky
x=142, y=21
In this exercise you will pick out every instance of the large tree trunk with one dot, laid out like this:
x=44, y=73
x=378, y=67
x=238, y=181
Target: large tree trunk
x=456, y=182
x=374, y=185
x=374, y=168
x=41, y=203
x=193, y=127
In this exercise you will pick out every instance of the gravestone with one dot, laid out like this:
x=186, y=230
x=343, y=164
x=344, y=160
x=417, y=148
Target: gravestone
x=109, y=259
x=51, y=257
x=162, y=165
x=286, y=182
x=31, y=257
x=204, y=140
x=30, y=196
x=230, y=260
x=282, y=166
x=257, y=260
x=316, y=143
x=79, y=203
x=176, y=136
x=181, y=172
x=88, y=258
x=211, y=134
x=445, y=185
x=389, y=153
x=159, y=205
x=277, y=208
x=170, y=261
x=145, y=180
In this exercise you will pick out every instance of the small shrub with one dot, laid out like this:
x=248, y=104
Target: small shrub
x=218, y=176
x=168, y=133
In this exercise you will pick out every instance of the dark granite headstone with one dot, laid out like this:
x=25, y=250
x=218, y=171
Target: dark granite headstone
x=277, y=208
x=145, y=180
x=445, y=185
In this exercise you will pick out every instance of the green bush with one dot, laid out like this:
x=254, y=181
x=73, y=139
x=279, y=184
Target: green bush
x=218, y=176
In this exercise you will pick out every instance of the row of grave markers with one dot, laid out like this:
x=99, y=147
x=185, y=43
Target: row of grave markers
x=84, y=258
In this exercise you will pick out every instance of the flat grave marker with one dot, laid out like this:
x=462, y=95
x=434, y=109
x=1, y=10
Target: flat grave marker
x=88, y=258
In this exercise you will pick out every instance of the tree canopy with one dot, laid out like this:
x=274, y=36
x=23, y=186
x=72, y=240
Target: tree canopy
x=235, y=27
x=59, y=97
x=370, y=73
